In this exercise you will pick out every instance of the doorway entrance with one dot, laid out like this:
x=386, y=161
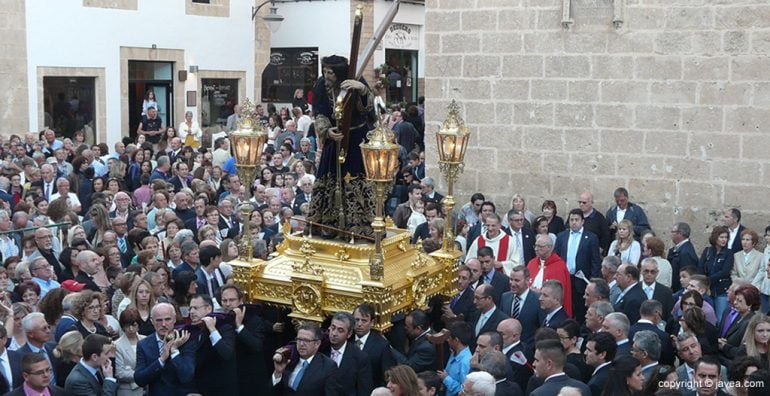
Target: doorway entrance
x=145, y=77
x=402, y=75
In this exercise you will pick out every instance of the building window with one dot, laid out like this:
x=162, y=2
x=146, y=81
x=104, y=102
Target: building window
x=220, y=95
x=69, y=104
x=289, y=69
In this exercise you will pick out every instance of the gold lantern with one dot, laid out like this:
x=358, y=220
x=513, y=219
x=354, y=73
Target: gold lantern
x=380, y=155
x=248, y=142
x=452, y=141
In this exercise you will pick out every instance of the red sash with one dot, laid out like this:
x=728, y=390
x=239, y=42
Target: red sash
x=502, y=247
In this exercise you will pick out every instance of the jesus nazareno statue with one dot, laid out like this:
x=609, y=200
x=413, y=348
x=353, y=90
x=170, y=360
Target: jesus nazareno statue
x=357, y=201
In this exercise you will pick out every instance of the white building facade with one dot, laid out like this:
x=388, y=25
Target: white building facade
x=88, y=64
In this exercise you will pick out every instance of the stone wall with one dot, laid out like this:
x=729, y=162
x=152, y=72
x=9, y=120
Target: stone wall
x=674, y=104
x=14, y=100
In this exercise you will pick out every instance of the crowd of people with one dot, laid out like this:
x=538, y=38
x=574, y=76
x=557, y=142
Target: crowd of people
x=115, y=280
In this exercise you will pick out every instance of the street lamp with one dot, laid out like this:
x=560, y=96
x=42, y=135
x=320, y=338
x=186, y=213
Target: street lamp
x=381, y=163
x=452, y=141
x=273, y=19
x=247, y=142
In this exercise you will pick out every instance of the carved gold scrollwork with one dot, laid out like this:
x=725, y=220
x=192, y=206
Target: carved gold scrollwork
x=342, y=255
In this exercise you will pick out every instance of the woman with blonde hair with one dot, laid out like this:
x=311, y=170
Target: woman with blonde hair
x=517, y=202
x=208, y=232
x=748, y=261
x=68, y=353
x=142, y=299
x=101, y=219
x=756, y=340
x=624, y=246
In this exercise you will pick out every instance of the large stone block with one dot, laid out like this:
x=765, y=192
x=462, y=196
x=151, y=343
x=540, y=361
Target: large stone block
x=745, y=17
x=654, y=117
x=714, y=145
x=545, y=139
x=690, y=18
x=673, y=92
x=574, y=115
x=523, y=66
x=515, y=19
x=689, y=169
x=667, y=143
x=614, y=116
x=471, y=89
x=747, y=119
x=703, y=195
x=702, y=68
x=673, y=42
x=444, y=66
x=652, y=192
x=581, y=140
x=702, y=118
x=745, y=172
x=460, y=43
x=724, y=93
x=507, y=89
x=479, y=66
x=737, y=196
x=735, y=42
x=586, y=91
x=543, y=42
x=592, y=164
x=750, y=68
x=567, y=67
x=612, y=67
x=549, y=89
x=443, y=21
x=624, y=91
x=479, y=20
x=533, y=114
x=501, y=43
x=621, y=141
x=755, y=146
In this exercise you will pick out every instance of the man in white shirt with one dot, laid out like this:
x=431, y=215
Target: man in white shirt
x=63, y=185
x=8, y=246
x=48, y=174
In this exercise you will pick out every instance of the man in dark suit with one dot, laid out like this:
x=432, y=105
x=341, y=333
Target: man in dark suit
x=682, y=254
x=199, y=220
x=429, y=193
x=631, y=293
x=733, y=223
x=487, y=316
x=165, y=365
x=47, y=182
x=617, y=325
x=312, y=374
x=209, y=277
x=599, y=353
x=10, y=365
x=513, y=349
x=422, y=354
x=651, y=314
x=38, y=338
x=93, y=375
x=120, y=226
x=490, y=276
x=122, y=209
x=215, y=365
x=655, y=290
x=495, y=363
x=579, y=248
x=37, y=376
x=523, y=238
x=249, y=343
x=529, y=314
x=462, y=303
x=551, y=300
x=549, y=366
x=227, y=222
x=355, y=372
x=706, y=378
x=594, y=221
x=372, y=343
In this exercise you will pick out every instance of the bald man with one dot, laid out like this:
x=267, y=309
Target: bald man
x=513, y=348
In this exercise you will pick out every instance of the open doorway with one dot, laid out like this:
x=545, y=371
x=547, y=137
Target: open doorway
x=145, y=77
x=402, y=75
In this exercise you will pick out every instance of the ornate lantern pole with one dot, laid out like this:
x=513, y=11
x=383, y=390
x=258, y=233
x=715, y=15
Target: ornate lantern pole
x=380, y=155
x=452, y=141
x=248, y=142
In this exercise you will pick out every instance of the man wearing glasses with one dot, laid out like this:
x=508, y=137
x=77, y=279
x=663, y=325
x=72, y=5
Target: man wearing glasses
x=313, y=373
x=41, y=274
x=37, y=374
x=44, y=241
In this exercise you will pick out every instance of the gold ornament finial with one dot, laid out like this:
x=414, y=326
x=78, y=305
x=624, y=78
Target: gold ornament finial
x=248, y=118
